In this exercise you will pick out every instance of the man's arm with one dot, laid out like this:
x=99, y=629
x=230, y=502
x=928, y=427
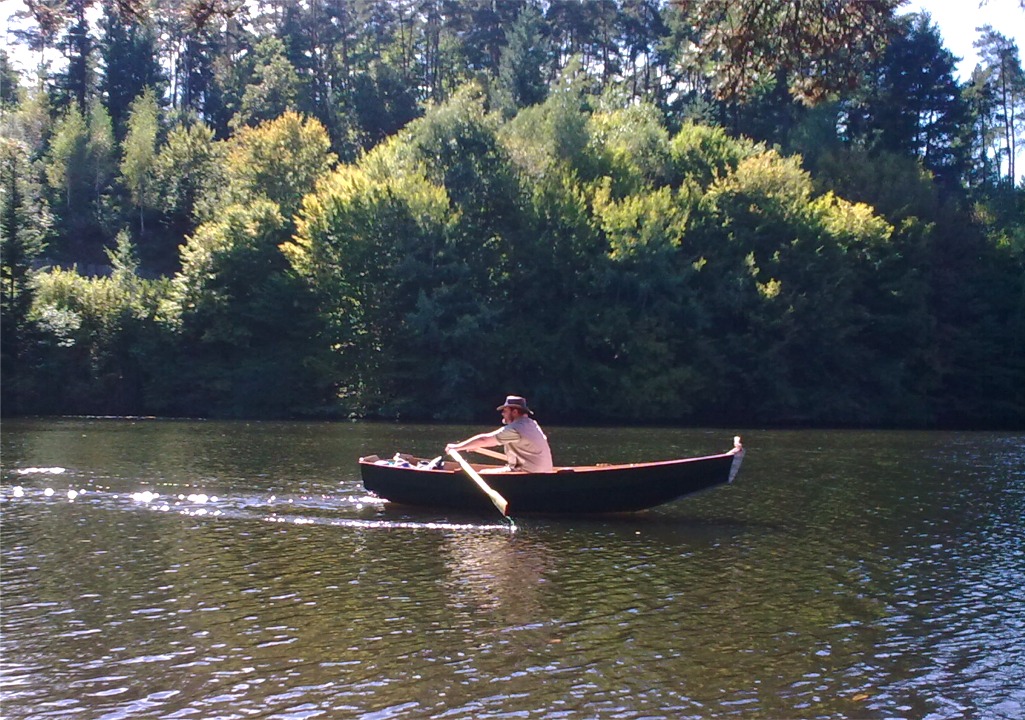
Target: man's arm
x=484, y=440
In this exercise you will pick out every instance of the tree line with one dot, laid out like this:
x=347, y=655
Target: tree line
x=725, y=211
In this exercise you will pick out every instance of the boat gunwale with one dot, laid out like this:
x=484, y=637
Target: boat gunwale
x=557, y=470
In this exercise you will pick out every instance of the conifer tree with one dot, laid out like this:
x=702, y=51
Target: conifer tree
x=1005, y=79
x=128, y=48
x=22, y=230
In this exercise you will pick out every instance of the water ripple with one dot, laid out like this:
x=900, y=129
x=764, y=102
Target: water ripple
x=228, y=572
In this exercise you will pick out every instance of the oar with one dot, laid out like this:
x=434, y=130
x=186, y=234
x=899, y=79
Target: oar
x=497, y=499
x=490, y=453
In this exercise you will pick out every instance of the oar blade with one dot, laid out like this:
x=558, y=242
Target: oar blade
x=496, y=499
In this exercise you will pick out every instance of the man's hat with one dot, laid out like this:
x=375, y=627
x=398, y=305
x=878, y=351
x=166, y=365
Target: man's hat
x=515, y=401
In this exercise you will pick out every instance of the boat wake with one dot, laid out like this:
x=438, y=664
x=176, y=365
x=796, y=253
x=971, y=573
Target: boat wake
x=361, y=511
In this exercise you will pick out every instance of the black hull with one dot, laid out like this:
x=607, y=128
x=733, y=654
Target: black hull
x=572, y=490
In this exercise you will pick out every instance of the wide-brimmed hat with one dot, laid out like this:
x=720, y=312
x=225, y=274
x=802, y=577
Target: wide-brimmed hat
x=515, y=401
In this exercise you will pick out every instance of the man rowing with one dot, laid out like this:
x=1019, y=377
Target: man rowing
x=525, y=443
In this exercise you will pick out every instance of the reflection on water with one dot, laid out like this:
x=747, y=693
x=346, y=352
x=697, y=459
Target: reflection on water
x=495, y=574
x=172, y=569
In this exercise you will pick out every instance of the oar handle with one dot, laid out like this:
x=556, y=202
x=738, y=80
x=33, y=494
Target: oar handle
x=489, y=453
x=498, y=500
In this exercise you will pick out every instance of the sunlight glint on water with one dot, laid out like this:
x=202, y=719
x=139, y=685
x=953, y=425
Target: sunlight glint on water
x=177, y=569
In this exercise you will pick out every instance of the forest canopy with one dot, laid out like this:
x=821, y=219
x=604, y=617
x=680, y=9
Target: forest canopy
x=631, y=211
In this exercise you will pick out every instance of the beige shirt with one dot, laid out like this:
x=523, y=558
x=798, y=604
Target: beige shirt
x=526, y=445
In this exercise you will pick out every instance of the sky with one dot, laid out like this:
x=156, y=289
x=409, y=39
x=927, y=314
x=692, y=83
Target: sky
x=957, y=21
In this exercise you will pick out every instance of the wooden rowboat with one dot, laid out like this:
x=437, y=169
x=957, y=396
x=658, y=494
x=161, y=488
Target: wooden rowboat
x=578, y=489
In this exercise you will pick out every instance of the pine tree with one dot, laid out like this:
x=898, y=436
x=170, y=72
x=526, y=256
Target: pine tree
x=21, y=242
x=1006, y=80
x=128, y=48
x=523, y=64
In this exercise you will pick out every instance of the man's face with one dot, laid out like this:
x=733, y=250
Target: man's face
x=508, y=415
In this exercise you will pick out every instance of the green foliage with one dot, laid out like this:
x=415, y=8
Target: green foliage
x=521, y=80
x=649, y=224
x=100, y=150
x=898, y=187
x=130, y=53
x=187, y=172
x=713, y=275
x=801, y=304
x=558, y=267
x=123, y=258
x=28, y=120
x=1005, y=80
x=241, y=320
x=457, y=146
x=918, y=114
x=9, y=82
x=380, y=102
x=274, y=89
x=22, y=232
x=279, y=160
x=139, y=153
x=551, y=137
x=367, y=247
x=631, y=146
x=24, y=211
x=68, y=159
x=703, y=154
x=97, y=342
x=79, y=169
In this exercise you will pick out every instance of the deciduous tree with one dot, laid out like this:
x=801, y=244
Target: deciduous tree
x=280, y=160
x=188, y=169
x=244, y=323
x=139, y=153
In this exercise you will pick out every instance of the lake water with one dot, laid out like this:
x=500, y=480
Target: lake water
x=189, y=569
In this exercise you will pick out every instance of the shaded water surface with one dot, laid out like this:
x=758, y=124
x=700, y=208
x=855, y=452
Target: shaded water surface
x=167, y=569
